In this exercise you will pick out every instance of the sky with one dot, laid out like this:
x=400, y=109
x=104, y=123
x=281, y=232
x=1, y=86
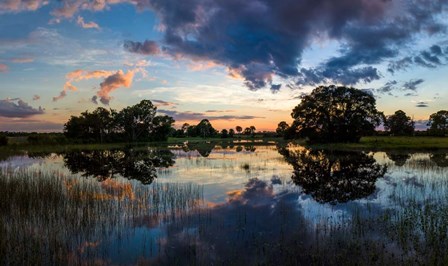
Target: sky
x=235, y=62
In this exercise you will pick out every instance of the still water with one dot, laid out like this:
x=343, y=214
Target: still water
x=207, y=204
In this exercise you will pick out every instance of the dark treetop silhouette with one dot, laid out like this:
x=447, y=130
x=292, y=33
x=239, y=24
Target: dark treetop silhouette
x=334, y=176
x=399, y=124
x=335, y=114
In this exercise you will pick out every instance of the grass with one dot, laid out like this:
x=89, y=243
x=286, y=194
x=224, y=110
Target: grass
x=48, y=218
x=384, y=143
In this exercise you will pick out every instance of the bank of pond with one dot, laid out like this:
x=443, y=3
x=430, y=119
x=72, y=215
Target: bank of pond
x=231, y=203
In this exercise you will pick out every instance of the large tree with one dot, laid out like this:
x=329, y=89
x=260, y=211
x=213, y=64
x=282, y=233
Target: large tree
x=399, y=124
x=336, y=114
x=438, y=123
x=136, y=121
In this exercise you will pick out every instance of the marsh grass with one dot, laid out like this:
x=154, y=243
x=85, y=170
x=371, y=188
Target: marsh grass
x=49, y=218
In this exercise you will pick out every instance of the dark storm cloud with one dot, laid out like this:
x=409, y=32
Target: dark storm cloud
x=388, y=87
x=18, y=108
x=412, y=84
x=430, y=58
x=183, y=116
x=259, y=39
x=145, y=48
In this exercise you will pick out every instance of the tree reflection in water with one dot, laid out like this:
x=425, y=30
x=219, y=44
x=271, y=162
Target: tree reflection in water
x=334, y=176
x=399, y=158
x=130, y=163
x=440, y=159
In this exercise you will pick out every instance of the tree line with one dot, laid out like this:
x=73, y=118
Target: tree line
x=133, y=123
x=343, y=114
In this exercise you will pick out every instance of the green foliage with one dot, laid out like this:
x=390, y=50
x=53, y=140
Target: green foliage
x=399, y=124
x=231, y=132
x=336, y=114
x=134, y=123
x=438, y=123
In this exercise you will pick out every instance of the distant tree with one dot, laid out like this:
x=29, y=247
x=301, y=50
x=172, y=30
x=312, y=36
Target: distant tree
x=231, y=132
x=399, y=124
x=252, y=130
x=205, y=129
x=224, y=134
x=282, y=128
x=336, y=114
x=185, y=127
x=247, y=131
x=438, y=123
x=239, y=129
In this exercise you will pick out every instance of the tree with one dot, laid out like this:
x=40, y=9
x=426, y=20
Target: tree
x=336, y=114
x=136, y=120
x=162, y=126
x=231, y=133
x=438, y=123
x=399, y=124
x=282, y=128
x=185, y=127
x=205, y=129
x=247, y=131
x=238, y=129
x=224, y=134
x=252, y=131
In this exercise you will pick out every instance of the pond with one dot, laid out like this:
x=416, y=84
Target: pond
x=233, y=204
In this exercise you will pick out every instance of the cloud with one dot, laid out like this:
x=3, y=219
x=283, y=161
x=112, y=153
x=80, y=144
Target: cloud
x=163, y=103
x=422, y=104
x=36, y=97
x=21, y=5
x=144, y=48
x=412, y=84
x=432, y=57
x=3, y=68
x=29, y=125
x=87, y=25
x=78, y=75
x=22, y=60
x=388, y=87
x=18, y=108
x=113, y=82
x=196, y=116
x=257, y=40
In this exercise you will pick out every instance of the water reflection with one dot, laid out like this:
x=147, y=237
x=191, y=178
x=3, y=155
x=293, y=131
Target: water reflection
x=130, y=163
x=204, y=149
x=334, y=176
x=440, y=159
x=399, y=158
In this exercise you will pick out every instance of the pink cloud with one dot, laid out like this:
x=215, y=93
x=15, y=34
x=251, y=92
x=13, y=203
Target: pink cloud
x=113, y=82
x=78, y=75
x=3, y=68
x=21, y=5
x=22, y=60
x=87, y=25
